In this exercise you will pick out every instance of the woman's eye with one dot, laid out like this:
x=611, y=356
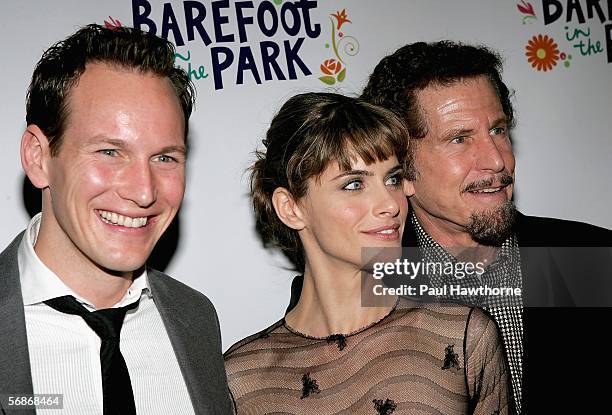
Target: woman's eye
x=394, y=180
x=354, y=185
x=458, y=140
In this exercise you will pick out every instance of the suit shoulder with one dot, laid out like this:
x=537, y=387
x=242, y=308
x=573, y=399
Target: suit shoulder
x=9, y=254
x=160, y=281
x=534, y=230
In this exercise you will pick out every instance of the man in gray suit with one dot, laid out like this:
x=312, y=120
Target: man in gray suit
x=83, y=323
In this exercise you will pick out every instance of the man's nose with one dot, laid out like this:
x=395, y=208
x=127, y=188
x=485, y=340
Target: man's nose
x=138, y=184
x=490, y=154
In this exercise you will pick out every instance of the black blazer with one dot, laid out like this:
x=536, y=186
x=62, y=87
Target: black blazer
x=568, y=293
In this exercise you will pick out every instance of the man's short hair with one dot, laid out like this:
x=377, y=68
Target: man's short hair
x=63, y=63
x=398, y=77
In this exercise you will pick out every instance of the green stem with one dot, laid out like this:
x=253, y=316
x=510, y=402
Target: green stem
x=334, y=40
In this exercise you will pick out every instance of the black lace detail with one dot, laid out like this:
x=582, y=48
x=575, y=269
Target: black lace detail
x=339, y=339
x=385, y=407
x=309, y=386
x=451, y=359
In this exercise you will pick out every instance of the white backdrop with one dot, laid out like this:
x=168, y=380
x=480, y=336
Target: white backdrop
x=562, y=141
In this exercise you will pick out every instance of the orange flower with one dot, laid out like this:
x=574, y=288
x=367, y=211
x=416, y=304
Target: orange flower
x=341, y=17
x=542, y=52
x=331, y=67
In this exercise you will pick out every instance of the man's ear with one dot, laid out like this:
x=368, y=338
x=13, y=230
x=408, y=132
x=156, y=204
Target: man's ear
x=287, y=209
x=408, y=187
x=35, y=154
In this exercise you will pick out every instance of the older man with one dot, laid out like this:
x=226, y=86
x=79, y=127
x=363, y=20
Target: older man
x=461, y=181
x=85, y=325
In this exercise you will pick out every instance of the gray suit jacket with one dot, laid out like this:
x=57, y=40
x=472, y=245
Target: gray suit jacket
x=189, y=317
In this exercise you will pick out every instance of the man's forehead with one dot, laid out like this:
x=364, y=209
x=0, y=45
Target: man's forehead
x=97, y=116
x=456, y=86
x=439, y=100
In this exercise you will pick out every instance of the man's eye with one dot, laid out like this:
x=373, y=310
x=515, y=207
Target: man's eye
x=394, y=180
x=109, y=152
x=166, y=159
x=498, y=130
x=458, y=140
x=353, y=185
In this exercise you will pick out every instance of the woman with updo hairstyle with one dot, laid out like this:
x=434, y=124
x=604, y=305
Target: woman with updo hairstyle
x=328, y=184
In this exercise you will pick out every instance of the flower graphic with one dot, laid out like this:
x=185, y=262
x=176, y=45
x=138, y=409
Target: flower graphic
x=331, y=67
x=334, y=69
x=527, y=9
x=113, y=24
x=542, y=52
x=341, y=18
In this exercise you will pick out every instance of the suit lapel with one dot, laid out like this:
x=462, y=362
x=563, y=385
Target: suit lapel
x=543, y=281
x=15, y=368
x=190, y=343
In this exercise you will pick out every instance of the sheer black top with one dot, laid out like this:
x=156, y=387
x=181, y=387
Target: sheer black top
x=418, y=359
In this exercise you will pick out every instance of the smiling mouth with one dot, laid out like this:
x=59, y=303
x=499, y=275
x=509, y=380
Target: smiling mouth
x=490, y=185
x=113, y=218
x=488, y=190
x=387, y=232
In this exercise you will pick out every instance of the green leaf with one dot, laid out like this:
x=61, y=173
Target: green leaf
x=329, y=80
x=341, y=75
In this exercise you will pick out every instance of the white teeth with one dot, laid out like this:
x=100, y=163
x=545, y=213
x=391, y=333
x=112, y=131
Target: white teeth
x=488, y=190
x=125, y=221
x=387, y=231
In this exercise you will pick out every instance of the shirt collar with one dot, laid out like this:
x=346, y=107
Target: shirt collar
x=39, y=283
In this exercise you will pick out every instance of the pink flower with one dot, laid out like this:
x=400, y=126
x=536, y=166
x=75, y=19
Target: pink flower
x=113, y=24
x=526, y=8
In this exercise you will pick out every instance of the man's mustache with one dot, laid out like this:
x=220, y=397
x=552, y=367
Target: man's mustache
x=503, y=179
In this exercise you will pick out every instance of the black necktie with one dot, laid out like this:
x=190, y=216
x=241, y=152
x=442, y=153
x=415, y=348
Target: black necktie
x=116, y=385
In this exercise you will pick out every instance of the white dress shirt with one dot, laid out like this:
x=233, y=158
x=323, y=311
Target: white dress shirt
x=65, y=352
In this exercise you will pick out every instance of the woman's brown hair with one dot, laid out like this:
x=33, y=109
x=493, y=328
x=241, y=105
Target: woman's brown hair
x=310, y=131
